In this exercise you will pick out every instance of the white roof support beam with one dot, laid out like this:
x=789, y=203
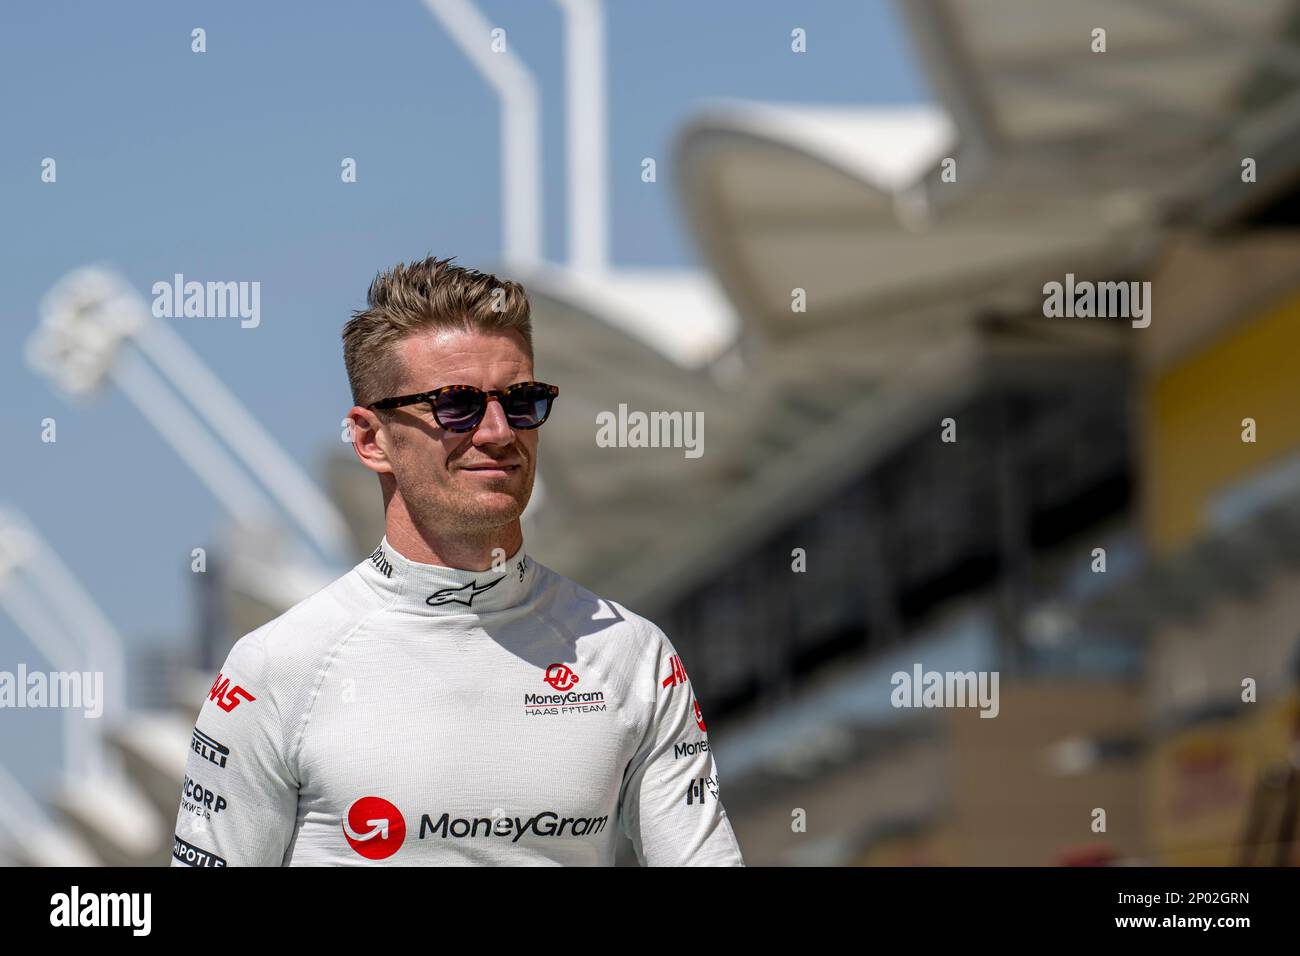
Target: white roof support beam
x=586, y=123
x=954, y=77
x=101, y=645
x=521, y=138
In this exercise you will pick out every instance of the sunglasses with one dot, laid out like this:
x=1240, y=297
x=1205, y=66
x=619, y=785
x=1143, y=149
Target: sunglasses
x=460, y=408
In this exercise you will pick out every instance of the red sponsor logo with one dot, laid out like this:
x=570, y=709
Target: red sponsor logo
x=699, y=718
x=228, y=695
x=374, y=828
x=560, y=677
x=677, y=674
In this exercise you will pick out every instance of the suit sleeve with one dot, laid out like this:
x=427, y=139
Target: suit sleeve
x=239, y=799
x=671, y=803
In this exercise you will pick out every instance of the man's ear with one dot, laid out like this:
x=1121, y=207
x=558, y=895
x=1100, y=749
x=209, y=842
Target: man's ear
x=370, y=439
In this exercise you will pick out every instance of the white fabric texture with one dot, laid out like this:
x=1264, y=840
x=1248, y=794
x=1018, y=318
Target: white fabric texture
x=416, y=715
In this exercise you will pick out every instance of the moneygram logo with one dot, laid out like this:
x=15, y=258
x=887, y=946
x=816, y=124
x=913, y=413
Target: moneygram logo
x=548, y=823
x=374, y=828
x=560, y=677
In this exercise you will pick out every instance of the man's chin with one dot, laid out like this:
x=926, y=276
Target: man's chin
x=489, y=503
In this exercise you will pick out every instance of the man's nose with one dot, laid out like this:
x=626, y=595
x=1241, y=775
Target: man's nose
x=494, y=429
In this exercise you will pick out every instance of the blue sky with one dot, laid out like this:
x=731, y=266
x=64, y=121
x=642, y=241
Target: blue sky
x=225, y=165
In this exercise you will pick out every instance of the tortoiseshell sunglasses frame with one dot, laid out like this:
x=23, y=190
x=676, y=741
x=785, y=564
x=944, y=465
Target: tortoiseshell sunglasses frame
x=499, y=394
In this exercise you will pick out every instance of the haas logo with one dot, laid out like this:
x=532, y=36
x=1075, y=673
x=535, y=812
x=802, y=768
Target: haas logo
x=374, y=828
x=677, y=675
x=560, y=677
x=226, y=695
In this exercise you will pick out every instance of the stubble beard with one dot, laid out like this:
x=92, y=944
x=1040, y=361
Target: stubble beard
x=452, y=507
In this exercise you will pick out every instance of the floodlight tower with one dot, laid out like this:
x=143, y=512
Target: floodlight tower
x=50, y=606
x=89, y=319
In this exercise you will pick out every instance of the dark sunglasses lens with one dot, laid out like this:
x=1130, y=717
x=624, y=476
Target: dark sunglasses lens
x=528, y=407
x=459, y=410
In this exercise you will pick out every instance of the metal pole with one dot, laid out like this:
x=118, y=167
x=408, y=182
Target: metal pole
x=521, y=153
x=180, y=429
x=66, y=597
x=79, y=751
x=585, y=86
x=89, y=317
x=314, y=513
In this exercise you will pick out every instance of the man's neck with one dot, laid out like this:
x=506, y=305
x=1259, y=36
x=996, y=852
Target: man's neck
x=467, y=552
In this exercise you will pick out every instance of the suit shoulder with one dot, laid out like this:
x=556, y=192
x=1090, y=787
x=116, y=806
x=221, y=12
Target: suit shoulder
x=304, y=633
x=632, y=639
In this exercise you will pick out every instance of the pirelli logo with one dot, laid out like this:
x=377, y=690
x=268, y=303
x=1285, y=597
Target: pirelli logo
x=209, y=748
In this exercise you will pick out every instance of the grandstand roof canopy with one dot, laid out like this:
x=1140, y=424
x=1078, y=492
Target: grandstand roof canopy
x=644, y=340
x=1183, y=91
x=1067, y=160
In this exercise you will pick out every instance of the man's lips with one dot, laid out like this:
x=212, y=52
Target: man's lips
x=492, y=468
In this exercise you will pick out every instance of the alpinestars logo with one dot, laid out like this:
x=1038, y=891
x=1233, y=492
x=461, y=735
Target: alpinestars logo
x=374, y=828
x=460, y=595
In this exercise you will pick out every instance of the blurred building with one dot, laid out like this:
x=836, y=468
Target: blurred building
x=1222, y=515
x=1077, y=438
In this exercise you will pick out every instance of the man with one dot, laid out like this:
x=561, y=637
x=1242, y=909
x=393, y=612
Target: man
x=449, y=701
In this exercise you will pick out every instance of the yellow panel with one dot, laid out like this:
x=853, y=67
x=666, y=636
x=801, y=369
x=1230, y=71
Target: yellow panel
x=1192, y=421
x=1203, y=782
